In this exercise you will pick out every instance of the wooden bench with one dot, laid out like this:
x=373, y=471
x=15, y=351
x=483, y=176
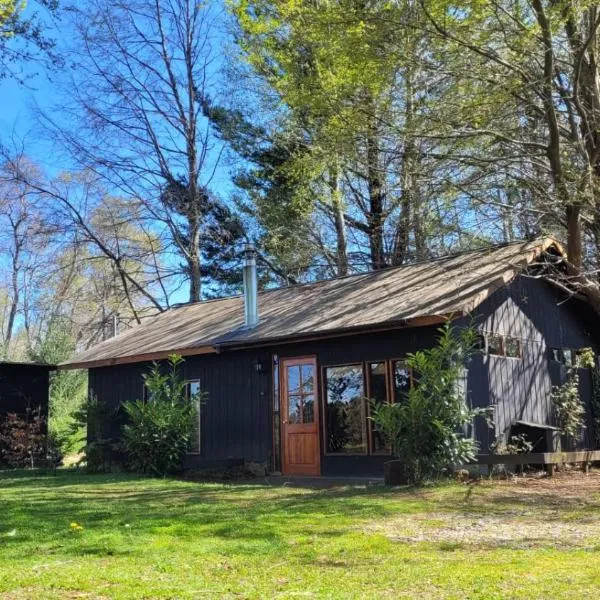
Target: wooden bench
x=548, y=459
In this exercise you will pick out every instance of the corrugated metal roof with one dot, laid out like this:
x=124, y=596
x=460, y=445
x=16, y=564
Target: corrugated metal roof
x=399, y=295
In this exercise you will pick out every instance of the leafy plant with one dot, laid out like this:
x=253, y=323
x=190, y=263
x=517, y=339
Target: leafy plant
x=516, y=444
x=99, y=449
x=425, y=430
x=159, y=432
x=585, y=358
x=23, y=440
x=568, y=407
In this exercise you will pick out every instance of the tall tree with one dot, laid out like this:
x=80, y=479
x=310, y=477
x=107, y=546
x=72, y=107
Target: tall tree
x=531, y=100
x=143, y=67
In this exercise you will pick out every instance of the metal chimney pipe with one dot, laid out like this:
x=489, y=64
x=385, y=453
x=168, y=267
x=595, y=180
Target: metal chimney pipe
x=250, y=286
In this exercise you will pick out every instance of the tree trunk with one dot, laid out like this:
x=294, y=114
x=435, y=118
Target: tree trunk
x=376, y=196
x=574, y=235
x=340, y=224
x=193, y=260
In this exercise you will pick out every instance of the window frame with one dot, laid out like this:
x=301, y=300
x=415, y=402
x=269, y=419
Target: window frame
x=188, y=382
x=365, y=428
x=390, y=399
x=503, y=337
x=519, y=345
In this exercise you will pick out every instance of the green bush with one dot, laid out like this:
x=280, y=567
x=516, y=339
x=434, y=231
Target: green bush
x=569, y=409
x=425, y=431
x=159, y=432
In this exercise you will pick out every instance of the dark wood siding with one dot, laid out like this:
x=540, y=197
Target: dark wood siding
x=519, y=389
x=237, y=415
x=23, y=388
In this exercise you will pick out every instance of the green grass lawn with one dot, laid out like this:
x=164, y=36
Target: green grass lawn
x=145, y=538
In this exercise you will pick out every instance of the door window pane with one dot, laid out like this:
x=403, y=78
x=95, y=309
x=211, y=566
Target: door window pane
x=308, y=409
x=300, y=394
x=308, y=379
x=293, y=379
x=346, y=418
x=294, y=409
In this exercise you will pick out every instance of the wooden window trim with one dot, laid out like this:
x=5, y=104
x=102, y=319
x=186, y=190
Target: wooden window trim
x=500, y=336
x=276, y=413
x=520, y=345
x=389, y=399
x=503, y=337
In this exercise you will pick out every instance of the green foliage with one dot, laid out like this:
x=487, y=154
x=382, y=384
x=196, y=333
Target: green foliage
x=159, y=432
x=101, y=451
x=516, y=444
x=68, y=389
x=568, y=407
x=424, y=431
x=22, y=36
x=585, y=358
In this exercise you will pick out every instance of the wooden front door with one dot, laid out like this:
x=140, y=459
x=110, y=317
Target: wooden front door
x=300, y=417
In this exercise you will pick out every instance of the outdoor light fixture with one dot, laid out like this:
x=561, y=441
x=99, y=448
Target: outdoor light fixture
x=258, y=366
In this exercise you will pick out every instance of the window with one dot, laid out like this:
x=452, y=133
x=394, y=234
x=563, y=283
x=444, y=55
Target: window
x=495, y=345
x=568, y=355
x=504, y=345
x=347, y=426
x=194, y=393
x=512, y=347
x=300, y=394
x=402, y=380
x=377, y=390
x=345, y=410
x=571, y=358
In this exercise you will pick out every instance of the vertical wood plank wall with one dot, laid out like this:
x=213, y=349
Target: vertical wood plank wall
x=237, y=415
x=23, y=387
x=519, y=389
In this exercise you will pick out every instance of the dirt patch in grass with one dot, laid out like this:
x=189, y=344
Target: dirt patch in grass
x=519, y=513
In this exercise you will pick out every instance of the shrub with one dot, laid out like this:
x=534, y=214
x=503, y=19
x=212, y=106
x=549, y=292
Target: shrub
x=425, y=430
x=568, y=407
x=23, y=440
x=159, y=432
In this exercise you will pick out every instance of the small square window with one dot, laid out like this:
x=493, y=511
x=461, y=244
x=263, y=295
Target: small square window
x=495, y=345
x=512, y=347
x=569, y=357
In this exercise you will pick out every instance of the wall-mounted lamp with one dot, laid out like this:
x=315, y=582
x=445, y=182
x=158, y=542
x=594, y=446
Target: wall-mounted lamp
x=258, y=366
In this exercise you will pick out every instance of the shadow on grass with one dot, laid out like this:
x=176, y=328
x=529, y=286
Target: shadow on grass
x=124, y=514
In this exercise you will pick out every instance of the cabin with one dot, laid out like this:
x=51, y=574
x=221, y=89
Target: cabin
x=24, y=388
x=288, y=372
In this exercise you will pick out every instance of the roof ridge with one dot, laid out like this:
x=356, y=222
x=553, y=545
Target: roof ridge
x=371, y=273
